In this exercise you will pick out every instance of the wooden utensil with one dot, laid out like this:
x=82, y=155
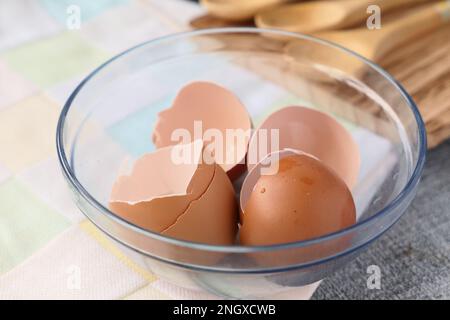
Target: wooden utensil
x=422, y=66
x=238, y=10
x=373, y=44
x=310, y=17
x=210, y=21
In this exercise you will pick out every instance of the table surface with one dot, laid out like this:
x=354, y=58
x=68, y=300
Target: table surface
x=43, y=235
x=414, y=255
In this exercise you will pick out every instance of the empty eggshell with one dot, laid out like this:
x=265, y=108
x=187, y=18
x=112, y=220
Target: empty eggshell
x=212, y=110
x=165, y=196
x=310, y=131
x=300, y=200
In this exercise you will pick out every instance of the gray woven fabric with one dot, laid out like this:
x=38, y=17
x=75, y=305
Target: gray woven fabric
x=414, y=256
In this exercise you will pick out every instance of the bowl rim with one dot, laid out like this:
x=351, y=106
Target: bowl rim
x=409, y=187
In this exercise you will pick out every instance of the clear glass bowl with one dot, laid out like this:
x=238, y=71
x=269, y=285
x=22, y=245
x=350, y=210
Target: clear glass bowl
x=109, y=118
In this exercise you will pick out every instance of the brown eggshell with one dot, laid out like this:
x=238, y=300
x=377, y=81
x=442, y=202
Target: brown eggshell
x=157, y=191
x=212, y=218
x=253, y=176
x=164, y=210
x=303, y=200
x=217, y=108
x=312, y=132
x=178, y=200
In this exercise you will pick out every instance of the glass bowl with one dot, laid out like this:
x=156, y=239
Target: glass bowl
x=109, y=118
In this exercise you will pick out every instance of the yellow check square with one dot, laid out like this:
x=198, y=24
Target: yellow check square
x=27, y=132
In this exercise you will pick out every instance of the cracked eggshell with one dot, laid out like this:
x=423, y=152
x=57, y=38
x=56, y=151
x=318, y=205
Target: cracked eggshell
x=159, y=191
x=212, y=218
x=312, y=132
x=218, y=109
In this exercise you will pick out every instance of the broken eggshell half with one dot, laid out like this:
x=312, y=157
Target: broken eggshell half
x=312, y=132
x=173, y=192
x=207, y=111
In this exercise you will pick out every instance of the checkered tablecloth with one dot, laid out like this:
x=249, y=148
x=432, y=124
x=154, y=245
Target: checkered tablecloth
x=46, y=244
x=45, y=241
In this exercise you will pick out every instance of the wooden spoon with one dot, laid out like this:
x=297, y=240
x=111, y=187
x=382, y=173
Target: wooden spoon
x=317, y=16
x=238, y=10
x=210, y=21
x=373, y=44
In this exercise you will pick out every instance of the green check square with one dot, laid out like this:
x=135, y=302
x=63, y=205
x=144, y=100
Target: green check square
x=55, y=59
x=26, y=224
